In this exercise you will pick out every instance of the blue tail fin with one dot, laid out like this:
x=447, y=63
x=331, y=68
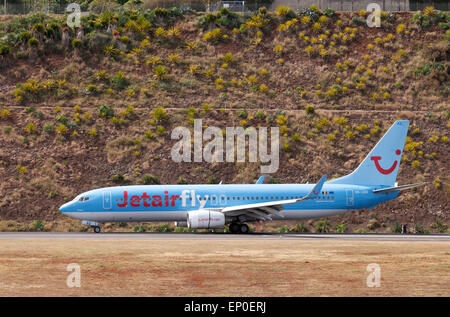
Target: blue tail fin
x=380, y=167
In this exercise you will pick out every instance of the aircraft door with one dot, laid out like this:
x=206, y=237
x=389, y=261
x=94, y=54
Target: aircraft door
x=350, y=200
x=107, y=203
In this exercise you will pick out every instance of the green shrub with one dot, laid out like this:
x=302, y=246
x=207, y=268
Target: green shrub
x=5, y=114
x=164, y=228
x=96, y=42
x=30, y=128
x=62, y=118
x=212, y=180
x=159, y=114
x=283, y=229
x=160, y=71
x=105, y=112
x=313, y=13
x=397, y=228
x=24, y=36
x=38, y=225
x=358, y=21
x=77, y=44
x=260, y=115
x=224, y=17
x=420, y=229
x=33, y=42
x=342, y=228
x=439, y=226
x=5, y=49
x=214, y=36
x=163, y=16
x=301, y=227
x=160, y=130
x=309, y=109
x=322, y=226
x=150, y=179
x=118, y=81
x=243, y=113
x=38, y=28
x=149, y=135
x=329, y=12
x=61, y=129
x=274, y=180
x=140, y=228
x=118, y=178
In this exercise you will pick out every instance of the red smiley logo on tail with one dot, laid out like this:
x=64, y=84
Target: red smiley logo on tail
x=382, y=170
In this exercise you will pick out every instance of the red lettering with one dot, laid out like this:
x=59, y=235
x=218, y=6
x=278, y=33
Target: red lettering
x=166, y=198
x=144, y=199
x=125, y=200
x=173, y=198
x=134, y=201
x=157, y=201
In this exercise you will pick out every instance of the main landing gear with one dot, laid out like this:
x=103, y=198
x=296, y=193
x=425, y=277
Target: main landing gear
x=238, y=228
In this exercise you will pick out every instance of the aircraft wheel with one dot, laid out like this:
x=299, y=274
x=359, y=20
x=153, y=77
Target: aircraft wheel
x=234, y=227
x=97, y=229
x=243, y=228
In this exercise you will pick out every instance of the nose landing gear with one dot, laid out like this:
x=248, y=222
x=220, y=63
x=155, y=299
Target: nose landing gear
x=92, y=224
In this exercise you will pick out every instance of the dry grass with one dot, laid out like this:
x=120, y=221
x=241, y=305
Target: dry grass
x=223, y=268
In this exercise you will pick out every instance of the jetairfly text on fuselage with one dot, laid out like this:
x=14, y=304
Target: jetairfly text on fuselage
x=146, y=200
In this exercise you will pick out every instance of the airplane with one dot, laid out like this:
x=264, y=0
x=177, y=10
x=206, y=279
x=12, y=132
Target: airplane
x=216, y=206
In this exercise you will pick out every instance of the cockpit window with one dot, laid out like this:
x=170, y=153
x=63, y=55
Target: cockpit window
x=84, y=198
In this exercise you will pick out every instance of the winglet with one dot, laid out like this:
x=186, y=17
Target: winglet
x=317, y=188
x=260, y=180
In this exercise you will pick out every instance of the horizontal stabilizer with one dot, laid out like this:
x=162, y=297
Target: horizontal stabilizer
x=402, y=187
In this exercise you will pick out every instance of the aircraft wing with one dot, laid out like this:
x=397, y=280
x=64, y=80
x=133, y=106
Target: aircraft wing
x=264, y=211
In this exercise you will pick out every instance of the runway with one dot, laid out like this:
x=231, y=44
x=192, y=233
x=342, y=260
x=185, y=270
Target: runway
x=219, y=236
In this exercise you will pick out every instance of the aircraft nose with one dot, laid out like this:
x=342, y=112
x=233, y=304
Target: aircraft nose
x=66, y=207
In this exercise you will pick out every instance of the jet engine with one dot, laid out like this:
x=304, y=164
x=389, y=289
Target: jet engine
x=205, y=219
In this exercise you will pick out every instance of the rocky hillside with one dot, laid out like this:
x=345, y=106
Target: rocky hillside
x=95, y=106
